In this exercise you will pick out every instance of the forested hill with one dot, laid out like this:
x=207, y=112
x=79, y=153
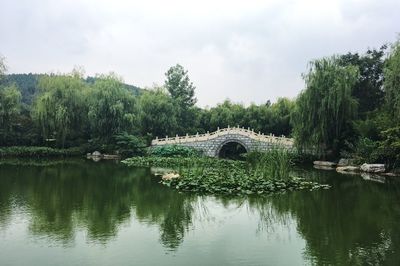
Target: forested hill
x=28, y=85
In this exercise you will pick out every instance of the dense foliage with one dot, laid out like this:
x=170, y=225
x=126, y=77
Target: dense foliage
x=174, y=151
x=350, y=106
x=60, y=109
x=325, y=109
x=368, y=89
x=33, y=152
x=111, y=108
x=10, y=102
x=157, y=113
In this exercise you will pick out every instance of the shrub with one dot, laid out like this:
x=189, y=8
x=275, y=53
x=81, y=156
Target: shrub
x=22, y=151
x=389, y=147
x=129, y=145
x=364, y=150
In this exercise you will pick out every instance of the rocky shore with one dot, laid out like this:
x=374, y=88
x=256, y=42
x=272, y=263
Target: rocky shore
x=347, y=166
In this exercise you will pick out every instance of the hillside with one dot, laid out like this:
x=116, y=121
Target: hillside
x=27, y=83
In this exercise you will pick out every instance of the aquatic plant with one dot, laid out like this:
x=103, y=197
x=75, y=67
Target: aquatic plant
x=235, y=182
x=275, y=163
x=217, y=176
x=174, y=151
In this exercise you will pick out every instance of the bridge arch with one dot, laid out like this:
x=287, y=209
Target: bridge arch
x=226, y=142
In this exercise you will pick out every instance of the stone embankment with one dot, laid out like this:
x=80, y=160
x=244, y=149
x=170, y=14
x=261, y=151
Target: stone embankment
x=346, y=166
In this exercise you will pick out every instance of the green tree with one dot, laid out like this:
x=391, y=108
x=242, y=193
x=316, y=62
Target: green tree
x=325, y=109
x=280, y=113
x=112, y=108
x=157, y=113
x=10, y=103
x=10, y=107
x=392, y=82
x=227, y=114
x=60, y=109
x=368, y=90
x=181, y=90
x=179, y=86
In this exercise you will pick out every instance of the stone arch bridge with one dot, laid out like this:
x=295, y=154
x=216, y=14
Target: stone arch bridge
x=211, y=143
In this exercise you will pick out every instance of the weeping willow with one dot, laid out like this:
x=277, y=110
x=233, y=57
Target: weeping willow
x=59, y=110
x=10, y=103
x=325, y=109
x=392, y=81
x=112, y=108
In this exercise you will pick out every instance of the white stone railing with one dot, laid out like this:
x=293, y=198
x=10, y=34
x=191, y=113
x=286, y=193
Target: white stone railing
x=282, y=140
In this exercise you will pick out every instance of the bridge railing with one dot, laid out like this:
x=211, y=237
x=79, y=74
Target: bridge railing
x=219, y=132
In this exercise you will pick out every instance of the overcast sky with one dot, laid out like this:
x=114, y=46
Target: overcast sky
x=247, y=51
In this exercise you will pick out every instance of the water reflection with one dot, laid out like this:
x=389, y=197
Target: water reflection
x=63, y=197
x=354, y=223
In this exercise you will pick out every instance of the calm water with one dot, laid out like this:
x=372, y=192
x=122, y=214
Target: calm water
x=85, y=213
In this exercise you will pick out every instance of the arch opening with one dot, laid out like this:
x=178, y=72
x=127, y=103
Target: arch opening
x=232, y=150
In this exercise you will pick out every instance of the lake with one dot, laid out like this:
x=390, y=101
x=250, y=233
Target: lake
x=79, y=212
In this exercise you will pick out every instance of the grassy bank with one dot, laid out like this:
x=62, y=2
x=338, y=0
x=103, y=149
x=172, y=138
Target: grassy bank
x=262, y=173
x=39, y=152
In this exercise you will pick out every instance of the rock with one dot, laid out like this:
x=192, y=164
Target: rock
x=345, y=162
x=347, y=169
x=324, y=163
x=96, y=154
x=373, y=168
x=170, y=176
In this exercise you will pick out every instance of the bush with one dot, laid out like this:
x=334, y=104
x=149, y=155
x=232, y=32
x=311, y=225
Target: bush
x=22, y=151
x=124, y=144
x=174, y=151
x=364, y=150
x=130, y=145
x=389, y=147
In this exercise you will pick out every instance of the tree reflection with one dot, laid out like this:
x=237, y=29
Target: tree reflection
x=97, y=197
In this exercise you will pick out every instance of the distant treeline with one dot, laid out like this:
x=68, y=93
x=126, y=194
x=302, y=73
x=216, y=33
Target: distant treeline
x=350, y=106
x=28, y=85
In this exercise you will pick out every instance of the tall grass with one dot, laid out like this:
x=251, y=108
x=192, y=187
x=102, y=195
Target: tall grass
x=274, y=164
